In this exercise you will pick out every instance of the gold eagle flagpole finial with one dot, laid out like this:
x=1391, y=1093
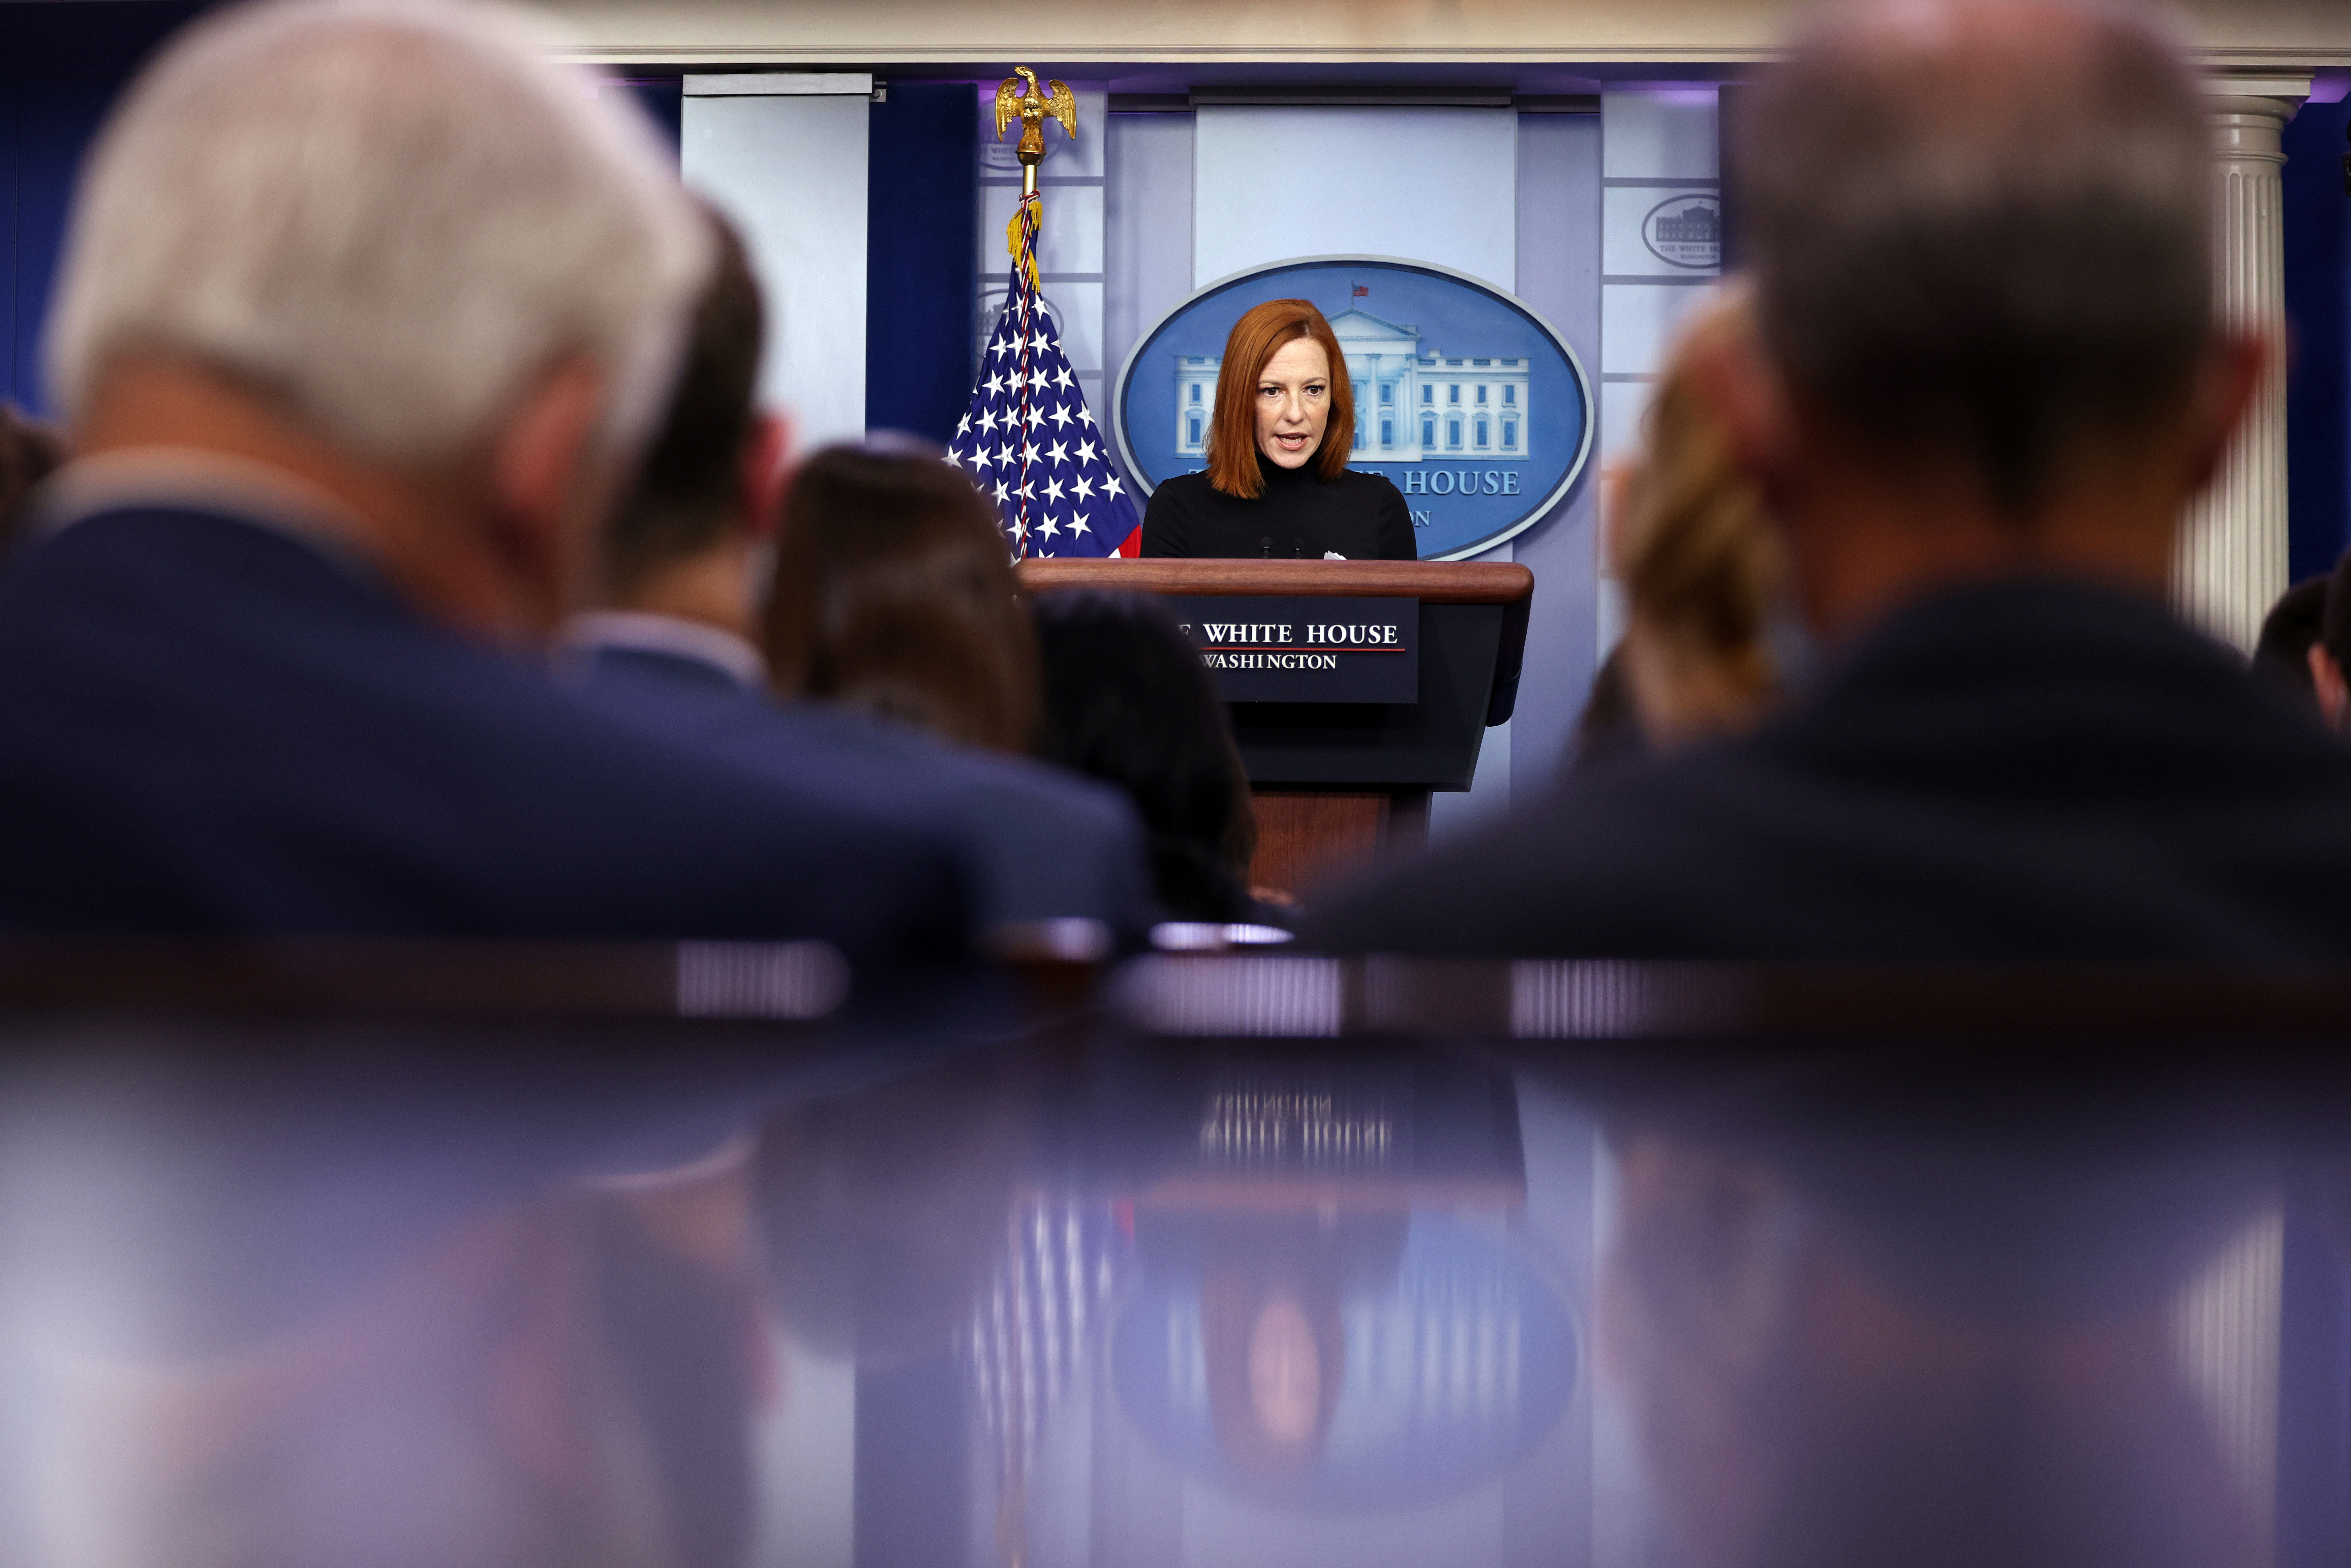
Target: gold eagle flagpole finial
x=1019, y=98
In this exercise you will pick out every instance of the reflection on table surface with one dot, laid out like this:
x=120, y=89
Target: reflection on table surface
x=1086, y=1292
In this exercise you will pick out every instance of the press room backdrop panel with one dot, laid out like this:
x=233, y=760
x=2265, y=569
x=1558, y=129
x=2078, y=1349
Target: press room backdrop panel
x=1429, y=184
x=791, y=170
x=1559, y=275
x=1658, y=144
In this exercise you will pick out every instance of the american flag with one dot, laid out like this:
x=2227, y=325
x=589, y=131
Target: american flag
x=1028, y=441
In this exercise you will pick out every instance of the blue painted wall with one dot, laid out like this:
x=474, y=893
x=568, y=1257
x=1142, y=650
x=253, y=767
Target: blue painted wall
x=2318, y=315
x=921, y=212
x=61, y=67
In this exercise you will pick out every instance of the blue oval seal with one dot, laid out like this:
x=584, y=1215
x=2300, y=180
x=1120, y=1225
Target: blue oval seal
x=1471, y=402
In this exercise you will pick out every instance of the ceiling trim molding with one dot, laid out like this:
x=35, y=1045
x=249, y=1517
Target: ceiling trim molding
x=2298, y=62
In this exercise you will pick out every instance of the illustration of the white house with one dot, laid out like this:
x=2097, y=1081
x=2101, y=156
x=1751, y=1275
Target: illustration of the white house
x=1698, y=223
x=1410, y=403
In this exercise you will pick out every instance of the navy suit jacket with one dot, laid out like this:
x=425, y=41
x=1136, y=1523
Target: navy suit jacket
x=1040, y=844
x=2031, y=770
x=208, y=725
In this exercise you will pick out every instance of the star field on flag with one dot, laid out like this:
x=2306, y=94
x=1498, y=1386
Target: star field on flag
x=1029, y=443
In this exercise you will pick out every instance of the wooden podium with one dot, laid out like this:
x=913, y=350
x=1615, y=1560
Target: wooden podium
x=1336, y=783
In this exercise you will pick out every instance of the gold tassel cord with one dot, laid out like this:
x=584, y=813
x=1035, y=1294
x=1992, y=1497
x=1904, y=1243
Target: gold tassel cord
x=1030, y=213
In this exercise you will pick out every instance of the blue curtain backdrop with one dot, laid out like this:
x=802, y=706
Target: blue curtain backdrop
x=922, y=217
x=2318, y=313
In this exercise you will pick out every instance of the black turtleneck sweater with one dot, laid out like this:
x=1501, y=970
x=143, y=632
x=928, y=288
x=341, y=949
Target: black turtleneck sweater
x=1300, y=517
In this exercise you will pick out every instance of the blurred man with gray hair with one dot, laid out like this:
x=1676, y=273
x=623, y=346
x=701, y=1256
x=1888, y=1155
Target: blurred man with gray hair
x=365, y=311
x=1987, y=379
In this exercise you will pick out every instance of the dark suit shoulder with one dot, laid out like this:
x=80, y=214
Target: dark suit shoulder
x=209, y=725
x=2020, y=773
x=1593, y=869
x=1040, y=843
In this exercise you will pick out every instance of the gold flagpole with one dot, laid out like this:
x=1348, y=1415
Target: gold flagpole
x=1019, y=97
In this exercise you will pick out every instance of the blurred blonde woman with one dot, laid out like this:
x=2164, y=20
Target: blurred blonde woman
x=1701, y=565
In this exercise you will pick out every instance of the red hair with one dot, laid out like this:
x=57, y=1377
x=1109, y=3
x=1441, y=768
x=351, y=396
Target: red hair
x=1262, y=333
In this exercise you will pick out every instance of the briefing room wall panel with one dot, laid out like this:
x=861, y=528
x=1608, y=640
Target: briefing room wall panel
x=791, y=168
x=1659, y=145
x=1146, y=226
x=1429, y=185
x=1559, y=275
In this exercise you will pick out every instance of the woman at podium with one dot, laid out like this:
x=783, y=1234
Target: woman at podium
x=1278, y=486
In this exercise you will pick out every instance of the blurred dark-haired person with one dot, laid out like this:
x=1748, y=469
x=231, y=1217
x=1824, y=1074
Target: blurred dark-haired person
x=1608, y=730
x=1127, y=702
x=673, y=653
x=1277, y=485
x=1988, y=378
x=350, y=367
x=30, y=450
x=2288, y=632
x=2329, y=656
x=894, y=593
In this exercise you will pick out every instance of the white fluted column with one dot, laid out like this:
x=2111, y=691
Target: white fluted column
x=2227, y=1327
x=2231, y=565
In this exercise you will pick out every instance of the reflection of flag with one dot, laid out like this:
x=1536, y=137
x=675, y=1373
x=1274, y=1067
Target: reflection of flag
x=1034, y=1329
x=1361, y=293
x=1028, y=442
